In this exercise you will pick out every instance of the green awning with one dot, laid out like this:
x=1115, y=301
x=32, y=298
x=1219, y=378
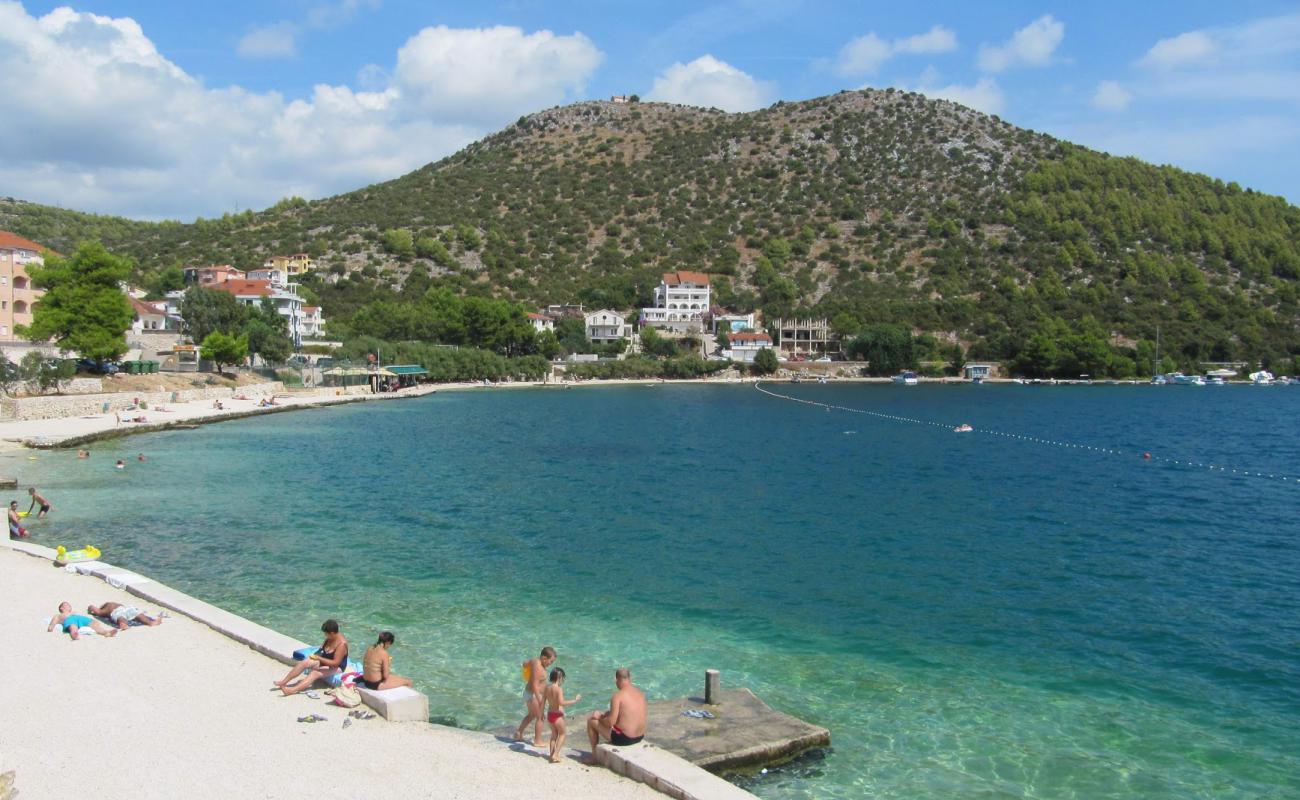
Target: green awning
x=406, y=369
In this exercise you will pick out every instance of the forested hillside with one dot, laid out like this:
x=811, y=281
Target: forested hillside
x=864, y=207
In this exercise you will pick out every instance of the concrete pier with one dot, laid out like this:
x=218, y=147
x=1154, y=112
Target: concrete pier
x=744, y=733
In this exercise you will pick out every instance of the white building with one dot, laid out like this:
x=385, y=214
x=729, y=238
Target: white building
x=275, y=275
x=313, y=324
x=744, y=346
x=152, y=316
x=682, y=302
x=607, y=326
x=286, y=300
x=541, y=322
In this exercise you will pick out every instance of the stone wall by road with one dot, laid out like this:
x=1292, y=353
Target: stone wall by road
x=57, y=406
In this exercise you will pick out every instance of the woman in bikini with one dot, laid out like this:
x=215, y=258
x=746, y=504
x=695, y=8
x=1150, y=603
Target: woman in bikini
x=331, y=658
x=377, y=665
x=555, y=704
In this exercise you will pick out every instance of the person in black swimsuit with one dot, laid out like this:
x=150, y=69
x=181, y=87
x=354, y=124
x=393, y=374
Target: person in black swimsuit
x=377, y=665
x=329, y=660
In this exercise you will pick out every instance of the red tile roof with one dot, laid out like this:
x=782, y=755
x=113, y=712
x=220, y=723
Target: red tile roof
x=12, y=241
x=749, y=337
x=243, y=288
x=531, y=315
x=682, y=276
x=311, y=309
x=141, y=307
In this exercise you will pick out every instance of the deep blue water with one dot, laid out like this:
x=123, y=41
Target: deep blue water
x=971, y=615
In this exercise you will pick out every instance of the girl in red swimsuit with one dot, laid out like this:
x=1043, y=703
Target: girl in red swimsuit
x=555, y=703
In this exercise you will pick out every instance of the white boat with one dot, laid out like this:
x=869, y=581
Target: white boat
x=1159, y=380
x=1179, y=379
x=1261, y=378
x=1215, y=380
x=905, y=378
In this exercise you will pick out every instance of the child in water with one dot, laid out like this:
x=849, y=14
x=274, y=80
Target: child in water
x=555, y=704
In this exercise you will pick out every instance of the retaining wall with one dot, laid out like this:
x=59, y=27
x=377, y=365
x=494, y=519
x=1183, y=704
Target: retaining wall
x=58, y=406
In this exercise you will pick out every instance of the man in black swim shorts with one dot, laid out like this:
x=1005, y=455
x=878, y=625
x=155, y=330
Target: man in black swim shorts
x=624, y=723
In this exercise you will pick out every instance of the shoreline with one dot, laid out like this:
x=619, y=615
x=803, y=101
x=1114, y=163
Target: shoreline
x=71, y=431
x=138, y=690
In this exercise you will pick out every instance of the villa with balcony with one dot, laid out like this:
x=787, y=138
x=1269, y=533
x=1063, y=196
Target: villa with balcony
x=17, y=295
x=681, y=304
x=607, y=326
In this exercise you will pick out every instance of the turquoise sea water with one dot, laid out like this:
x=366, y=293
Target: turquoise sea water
x=970, y=615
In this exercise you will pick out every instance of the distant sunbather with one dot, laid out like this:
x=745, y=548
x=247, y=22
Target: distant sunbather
x=122, y=616
x=329, y=660
x=73, y=623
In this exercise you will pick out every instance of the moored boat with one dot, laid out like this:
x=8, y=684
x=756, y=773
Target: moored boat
x=905, y=378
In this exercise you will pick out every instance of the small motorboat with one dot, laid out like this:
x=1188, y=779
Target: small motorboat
x=1261, y=378
x=962, y=428
x=905, y=378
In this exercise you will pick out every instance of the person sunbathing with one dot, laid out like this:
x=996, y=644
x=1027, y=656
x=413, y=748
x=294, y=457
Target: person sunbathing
x=72, y=624
x=122, y=616
x=377, y=665
x=328, y=661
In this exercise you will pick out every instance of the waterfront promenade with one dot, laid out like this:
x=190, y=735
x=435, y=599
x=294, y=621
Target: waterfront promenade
x=182, y=711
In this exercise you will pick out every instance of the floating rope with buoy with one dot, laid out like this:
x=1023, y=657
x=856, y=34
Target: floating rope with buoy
x=964, y=428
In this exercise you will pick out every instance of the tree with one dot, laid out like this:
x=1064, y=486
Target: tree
x=267, y=332
x=220, y=349
x=209, y=310
x=83, y=308
x=46, y=373
x=886, y=348
x=765, y=361
x=398, y=242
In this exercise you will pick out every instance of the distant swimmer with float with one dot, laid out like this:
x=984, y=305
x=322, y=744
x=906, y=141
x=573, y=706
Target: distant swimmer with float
x=534, y=673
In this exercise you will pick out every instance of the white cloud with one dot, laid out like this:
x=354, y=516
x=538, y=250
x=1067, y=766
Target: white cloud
x=710, y=83
x=269, y=41
x=1233, y=47
x=134, y=134
x=1032, y=45
x=1182, y=50
x=936, y=40
x=865, y=54
x=482, y=74
x=985, y=95
x=1110, y=96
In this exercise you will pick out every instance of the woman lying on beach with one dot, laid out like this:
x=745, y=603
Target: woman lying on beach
x=377, y=665
x=328, y=660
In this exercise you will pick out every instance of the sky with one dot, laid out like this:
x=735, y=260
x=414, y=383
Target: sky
x=163, y=110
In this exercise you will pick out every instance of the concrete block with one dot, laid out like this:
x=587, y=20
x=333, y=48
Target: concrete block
x=667, y=773
x=403, y=704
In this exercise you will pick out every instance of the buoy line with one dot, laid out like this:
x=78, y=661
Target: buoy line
x=1218, y=468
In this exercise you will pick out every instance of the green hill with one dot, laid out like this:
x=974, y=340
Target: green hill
x=866, y=207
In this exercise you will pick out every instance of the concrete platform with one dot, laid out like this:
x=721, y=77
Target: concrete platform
x=667, y=773
x=396, y=705
x=744, y=733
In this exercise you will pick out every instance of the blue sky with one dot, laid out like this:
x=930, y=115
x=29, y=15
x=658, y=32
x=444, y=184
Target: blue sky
x=171, y=110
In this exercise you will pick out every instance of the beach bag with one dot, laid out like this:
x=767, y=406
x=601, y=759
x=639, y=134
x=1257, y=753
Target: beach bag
x=346, y=696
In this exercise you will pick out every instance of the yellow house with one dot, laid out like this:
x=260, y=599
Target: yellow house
x=295, y=264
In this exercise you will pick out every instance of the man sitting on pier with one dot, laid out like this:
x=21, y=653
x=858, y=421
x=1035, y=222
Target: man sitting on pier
x=624, y=723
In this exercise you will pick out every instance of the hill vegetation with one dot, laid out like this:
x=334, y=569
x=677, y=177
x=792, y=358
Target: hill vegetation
x=870, y=208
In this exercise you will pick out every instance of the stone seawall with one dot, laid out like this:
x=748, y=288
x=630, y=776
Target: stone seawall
x=59, y=406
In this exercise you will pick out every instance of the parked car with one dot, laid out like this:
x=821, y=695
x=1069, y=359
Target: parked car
x=823, y=360
x=91, y=366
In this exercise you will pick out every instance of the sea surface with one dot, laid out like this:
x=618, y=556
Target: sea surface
x=971, y=615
